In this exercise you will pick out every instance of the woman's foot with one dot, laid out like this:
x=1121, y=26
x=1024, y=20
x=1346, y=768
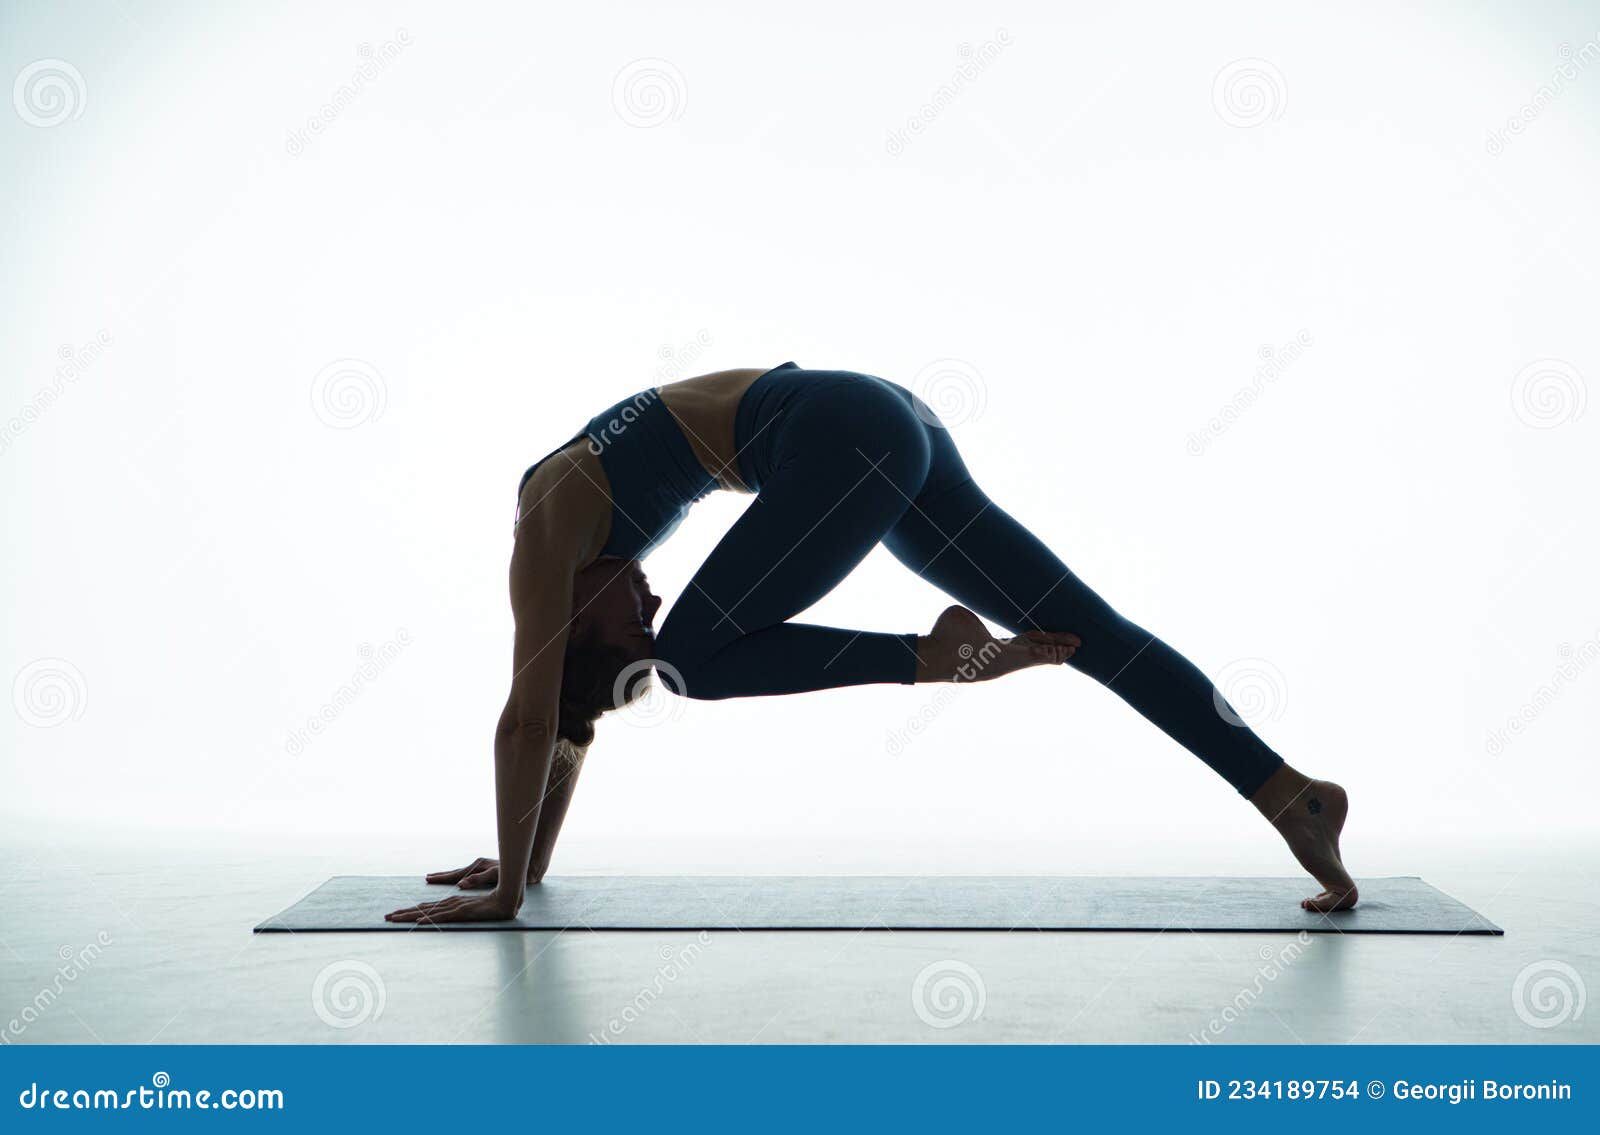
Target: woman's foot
x=1309, y=815
x=961, y=649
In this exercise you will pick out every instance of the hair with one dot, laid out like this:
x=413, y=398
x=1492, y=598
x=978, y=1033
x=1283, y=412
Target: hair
x=589, y=688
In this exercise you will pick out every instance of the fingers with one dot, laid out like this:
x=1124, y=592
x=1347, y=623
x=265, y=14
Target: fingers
x=487, y=877
x=426, y=911
x=456, y=908
x=460, y=873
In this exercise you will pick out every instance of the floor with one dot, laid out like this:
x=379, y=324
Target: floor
x=128, y=944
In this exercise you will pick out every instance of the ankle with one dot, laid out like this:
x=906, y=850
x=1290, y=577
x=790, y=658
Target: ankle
x=1275, y=798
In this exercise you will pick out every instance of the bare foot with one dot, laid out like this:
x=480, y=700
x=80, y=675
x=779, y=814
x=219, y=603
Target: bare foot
x=961, y=649
x=1309, y=815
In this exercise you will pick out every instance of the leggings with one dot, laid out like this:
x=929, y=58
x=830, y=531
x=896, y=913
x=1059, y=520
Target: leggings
x=844, y=461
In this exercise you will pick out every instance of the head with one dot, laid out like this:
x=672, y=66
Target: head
x=611, y=640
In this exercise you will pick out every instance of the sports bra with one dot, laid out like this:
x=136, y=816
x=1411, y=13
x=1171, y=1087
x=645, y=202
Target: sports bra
x=653, y=473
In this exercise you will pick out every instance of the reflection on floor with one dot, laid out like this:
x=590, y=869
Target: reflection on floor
x=123, y=945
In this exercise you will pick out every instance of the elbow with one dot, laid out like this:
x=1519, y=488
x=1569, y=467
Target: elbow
x=524, y=732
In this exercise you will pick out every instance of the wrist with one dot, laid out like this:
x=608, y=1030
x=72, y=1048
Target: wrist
x=508, y=897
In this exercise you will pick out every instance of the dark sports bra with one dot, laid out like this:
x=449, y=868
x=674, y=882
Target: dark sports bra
x=653, y=473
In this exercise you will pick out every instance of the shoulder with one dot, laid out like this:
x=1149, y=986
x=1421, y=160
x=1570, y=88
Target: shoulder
x=564, y=510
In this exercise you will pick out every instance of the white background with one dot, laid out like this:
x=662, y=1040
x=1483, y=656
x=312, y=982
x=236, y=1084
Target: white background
x=1393, y=542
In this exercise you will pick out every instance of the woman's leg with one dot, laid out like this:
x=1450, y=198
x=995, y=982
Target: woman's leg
x=956, y=538
x=964, y=544
x=850, y=459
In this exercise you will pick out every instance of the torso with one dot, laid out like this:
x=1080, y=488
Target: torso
x=704, y=406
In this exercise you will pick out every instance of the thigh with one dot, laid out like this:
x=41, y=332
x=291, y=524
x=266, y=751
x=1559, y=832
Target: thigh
x=973, y=550
x=848, y=470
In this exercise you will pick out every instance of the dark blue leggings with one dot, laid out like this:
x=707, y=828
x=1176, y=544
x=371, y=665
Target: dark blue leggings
x=844, y=461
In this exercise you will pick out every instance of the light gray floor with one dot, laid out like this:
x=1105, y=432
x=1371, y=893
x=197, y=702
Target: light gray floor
x=158, y=949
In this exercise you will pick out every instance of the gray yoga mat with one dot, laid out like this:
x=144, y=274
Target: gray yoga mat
x=1403, y=905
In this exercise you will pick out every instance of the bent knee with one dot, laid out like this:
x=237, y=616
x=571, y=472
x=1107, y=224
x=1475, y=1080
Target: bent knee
x=685, y=671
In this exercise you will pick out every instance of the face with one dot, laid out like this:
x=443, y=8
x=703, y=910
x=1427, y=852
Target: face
x=613, y=601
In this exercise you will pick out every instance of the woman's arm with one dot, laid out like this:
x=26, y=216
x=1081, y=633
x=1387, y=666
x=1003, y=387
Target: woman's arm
x=483, y=872
x=542, y=566
x=557, y=799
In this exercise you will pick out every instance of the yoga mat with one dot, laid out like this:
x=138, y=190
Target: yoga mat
x=1403, y=905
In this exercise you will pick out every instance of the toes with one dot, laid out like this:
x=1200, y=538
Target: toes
x=1329, y=901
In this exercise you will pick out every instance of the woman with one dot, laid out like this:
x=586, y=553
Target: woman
x=839, y=462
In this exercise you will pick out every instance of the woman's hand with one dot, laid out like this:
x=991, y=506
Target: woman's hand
x=496, y=906
x=478, y=874
x=961, y=649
